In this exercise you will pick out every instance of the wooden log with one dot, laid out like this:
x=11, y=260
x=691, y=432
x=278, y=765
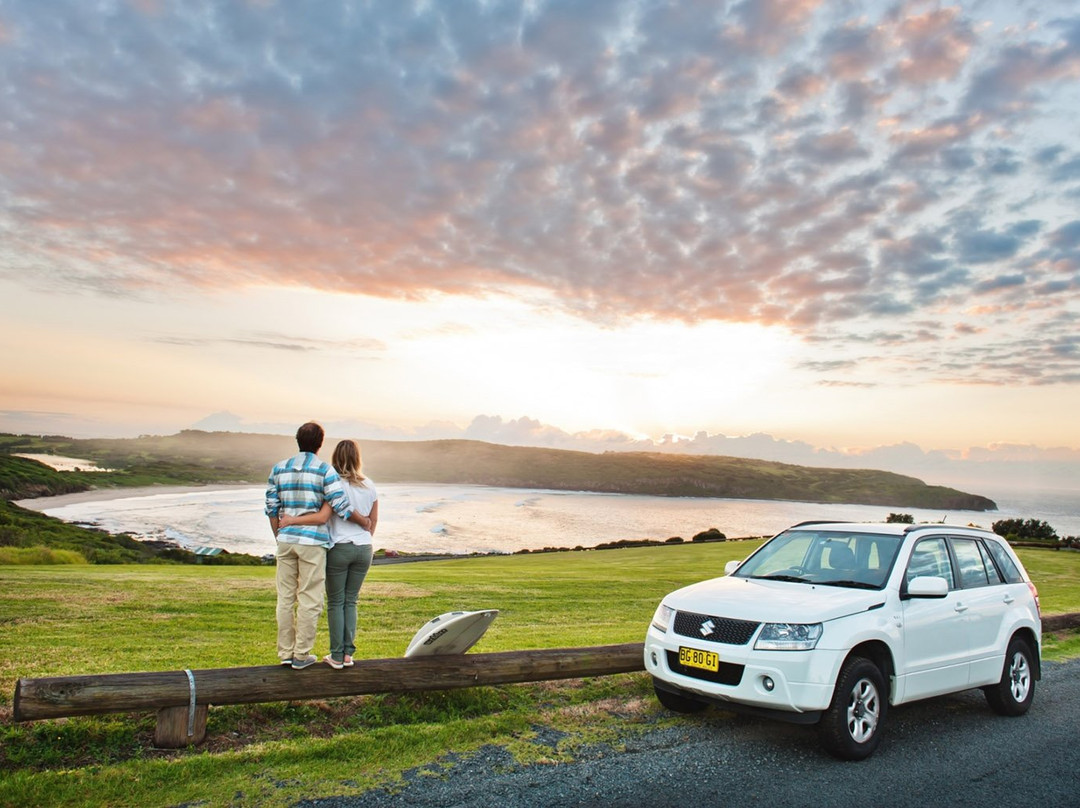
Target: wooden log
x=53, y=697
x=1060, y=622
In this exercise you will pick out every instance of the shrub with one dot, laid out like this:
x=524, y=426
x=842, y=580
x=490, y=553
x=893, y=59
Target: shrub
x=39, y=555
x=712, y=534
x=1025, y=530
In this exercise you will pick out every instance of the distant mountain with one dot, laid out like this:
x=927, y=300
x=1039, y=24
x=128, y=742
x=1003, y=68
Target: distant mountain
x=195, y=456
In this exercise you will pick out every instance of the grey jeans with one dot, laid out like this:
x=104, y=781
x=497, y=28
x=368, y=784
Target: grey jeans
x=346, y=567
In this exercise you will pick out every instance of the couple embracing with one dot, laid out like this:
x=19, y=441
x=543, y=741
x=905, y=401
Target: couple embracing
x=323, y=517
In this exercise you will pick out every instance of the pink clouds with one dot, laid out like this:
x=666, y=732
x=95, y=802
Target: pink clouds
x=936, y=44
x=769, y=25
x=759, y=162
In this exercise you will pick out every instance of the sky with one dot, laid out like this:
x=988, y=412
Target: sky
x=835, y=232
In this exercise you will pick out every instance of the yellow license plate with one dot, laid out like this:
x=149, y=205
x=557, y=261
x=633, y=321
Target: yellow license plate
x=693, y=658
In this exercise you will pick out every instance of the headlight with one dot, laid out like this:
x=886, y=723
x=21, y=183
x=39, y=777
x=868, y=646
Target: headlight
x=788, y=637
x=662, y=618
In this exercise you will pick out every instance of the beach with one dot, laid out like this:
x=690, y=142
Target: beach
x=44, y=504
x=446, y=519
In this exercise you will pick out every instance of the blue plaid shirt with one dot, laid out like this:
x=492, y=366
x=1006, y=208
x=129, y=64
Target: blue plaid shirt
x=301, y=485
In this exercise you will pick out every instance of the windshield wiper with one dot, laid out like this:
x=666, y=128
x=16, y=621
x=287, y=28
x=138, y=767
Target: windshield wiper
x=795, y=579
x=850, y=584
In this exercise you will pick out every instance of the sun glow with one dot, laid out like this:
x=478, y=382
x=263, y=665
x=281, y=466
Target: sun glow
x=637, y=377
x=408, y=363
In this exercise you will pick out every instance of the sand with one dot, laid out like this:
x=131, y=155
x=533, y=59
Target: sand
x=42, y=504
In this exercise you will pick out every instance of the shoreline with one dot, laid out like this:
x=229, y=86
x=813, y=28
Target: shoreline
x=108, y=494
x=99, y=499
x=40, y=504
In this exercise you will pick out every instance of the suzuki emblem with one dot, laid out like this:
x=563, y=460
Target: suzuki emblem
x=707, y=628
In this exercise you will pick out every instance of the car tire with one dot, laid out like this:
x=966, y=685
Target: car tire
x=678, y=703
x=851, y=727
x=1016, y=690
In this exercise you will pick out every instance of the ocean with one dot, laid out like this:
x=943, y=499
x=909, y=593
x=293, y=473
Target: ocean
x=464, y=519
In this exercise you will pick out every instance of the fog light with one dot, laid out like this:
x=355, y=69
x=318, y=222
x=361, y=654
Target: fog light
x=768, y=683
x=655, y=661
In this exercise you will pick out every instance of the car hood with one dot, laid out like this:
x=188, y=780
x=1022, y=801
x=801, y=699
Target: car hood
x=772, y=601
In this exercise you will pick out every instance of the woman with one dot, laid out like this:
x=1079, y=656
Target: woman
x=349, y=557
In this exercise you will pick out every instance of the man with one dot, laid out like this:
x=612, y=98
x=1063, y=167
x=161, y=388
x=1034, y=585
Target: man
x=300, y=485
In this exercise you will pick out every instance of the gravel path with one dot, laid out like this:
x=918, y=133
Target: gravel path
x=951, y=750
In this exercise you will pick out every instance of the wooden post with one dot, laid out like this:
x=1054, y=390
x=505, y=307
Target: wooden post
x=174, y=693
x=179, y=726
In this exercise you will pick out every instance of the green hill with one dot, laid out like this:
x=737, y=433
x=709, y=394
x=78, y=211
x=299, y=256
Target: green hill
x=208, y=457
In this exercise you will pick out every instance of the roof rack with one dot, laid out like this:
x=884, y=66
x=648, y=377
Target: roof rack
x=818, y=522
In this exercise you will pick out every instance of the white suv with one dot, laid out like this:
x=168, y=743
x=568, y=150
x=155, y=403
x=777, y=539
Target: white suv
x=830, y=623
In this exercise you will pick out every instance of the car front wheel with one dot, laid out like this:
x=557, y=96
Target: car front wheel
x=1014, y=693
x=851, y=727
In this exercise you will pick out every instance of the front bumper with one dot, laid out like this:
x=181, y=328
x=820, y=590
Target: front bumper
x=801, y=681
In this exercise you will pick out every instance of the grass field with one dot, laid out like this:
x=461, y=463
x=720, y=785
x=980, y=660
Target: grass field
x=101, y=619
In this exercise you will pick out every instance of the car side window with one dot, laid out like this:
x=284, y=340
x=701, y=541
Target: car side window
x=931, y=558
x=970, y=563
x=991, y=569
x=1004, y=562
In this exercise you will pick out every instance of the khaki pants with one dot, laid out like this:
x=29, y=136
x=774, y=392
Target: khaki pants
x=301, y=573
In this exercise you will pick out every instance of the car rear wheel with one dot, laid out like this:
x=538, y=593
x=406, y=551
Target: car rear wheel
x=1014, y=693
x=851, y=727
x=678, y=703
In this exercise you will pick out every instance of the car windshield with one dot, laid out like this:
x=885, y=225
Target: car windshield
x=825, y=558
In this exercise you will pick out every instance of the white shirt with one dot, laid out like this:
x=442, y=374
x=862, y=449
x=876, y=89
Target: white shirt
x=362, y=497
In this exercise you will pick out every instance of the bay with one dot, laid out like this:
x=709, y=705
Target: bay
x=465, y=519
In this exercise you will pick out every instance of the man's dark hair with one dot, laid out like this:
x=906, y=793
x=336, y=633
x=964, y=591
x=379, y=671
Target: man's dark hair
x=309, y=437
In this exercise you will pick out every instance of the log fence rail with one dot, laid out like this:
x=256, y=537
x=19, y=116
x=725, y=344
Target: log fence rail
x=182, y=698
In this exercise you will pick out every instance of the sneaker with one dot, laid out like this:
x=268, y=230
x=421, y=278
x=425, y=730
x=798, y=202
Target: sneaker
x=348, y=663
x=299, y=663
x=333, y=663
x=286, y=663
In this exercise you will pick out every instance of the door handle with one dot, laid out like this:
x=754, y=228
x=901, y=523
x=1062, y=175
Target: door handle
x=960, y=607
x=1009, y=598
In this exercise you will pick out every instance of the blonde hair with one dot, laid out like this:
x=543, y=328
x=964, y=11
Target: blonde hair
x=347, y=461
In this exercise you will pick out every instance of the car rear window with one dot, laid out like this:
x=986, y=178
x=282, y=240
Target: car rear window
x=1009, y=571
x=992, y=572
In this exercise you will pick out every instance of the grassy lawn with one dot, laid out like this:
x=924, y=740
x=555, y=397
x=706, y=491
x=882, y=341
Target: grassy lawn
x=101, y=619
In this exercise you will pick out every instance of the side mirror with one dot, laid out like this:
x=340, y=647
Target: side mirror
x=927, y=586
x=731, y=566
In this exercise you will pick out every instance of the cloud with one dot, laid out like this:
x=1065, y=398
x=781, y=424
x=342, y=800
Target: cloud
x=518, y=432
x=787, y=162
x=1017, y=76
x=1069, y=171
x=984, y=246
x=1066, y=237
x=936, y=43
x=278, y=342
x=832, y=147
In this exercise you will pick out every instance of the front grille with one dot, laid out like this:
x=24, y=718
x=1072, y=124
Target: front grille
x=714, y=629
x=728, y=674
